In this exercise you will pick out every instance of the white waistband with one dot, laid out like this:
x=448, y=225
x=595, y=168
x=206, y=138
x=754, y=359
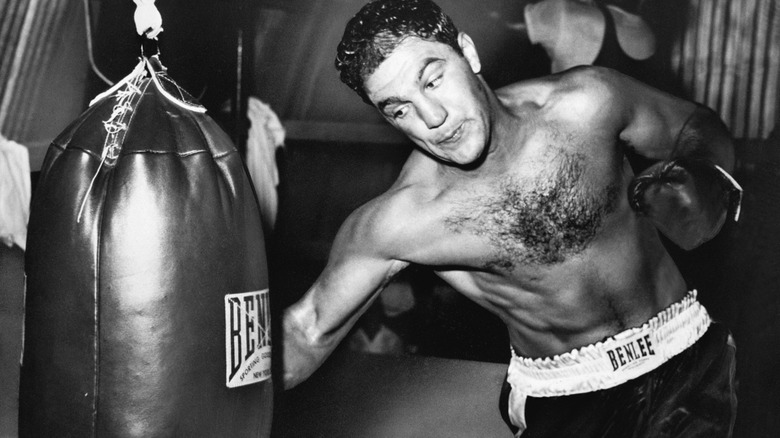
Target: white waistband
x=623, y=357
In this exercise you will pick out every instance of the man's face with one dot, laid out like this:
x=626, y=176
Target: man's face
x=432, y=94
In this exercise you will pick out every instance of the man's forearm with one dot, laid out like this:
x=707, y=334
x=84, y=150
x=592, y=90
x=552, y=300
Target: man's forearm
x=303, y=352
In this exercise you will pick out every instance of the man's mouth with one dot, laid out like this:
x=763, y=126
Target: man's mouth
x=453, y=136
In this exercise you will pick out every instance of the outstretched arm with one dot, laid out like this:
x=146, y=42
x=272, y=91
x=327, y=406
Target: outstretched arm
x=356, y=272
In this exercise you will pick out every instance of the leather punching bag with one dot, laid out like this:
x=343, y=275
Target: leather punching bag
x=147, y=309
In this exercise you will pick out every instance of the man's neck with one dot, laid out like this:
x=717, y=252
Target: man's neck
x=503, y=143
x=506, y=128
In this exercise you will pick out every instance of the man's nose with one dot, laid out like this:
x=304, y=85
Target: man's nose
x=432, y=113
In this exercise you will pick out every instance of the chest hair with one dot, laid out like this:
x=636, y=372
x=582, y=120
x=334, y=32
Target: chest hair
x=540, y=220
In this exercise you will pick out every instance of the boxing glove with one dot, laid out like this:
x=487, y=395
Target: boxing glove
x=687, y=199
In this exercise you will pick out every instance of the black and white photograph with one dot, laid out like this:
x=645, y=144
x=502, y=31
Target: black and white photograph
x=390, y=218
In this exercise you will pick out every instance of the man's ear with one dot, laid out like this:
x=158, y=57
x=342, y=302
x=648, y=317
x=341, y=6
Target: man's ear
x=469, y=52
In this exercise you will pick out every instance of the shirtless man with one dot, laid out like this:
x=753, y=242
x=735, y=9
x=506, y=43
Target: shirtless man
x=524, y=200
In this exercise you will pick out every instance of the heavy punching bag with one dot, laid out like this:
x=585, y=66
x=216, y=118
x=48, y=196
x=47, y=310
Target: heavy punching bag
x=147, y=308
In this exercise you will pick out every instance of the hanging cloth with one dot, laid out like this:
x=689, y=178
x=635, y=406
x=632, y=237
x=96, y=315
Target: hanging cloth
x=14, y=193
x=265, y=137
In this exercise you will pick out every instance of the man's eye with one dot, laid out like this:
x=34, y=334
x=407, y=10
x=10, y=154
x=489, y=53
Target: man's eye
x=399, y=112
x=434, y=83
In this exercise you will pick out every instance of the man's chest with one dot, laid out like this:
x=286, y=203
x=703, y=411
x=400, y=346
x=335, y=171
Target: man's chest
x=540, y=214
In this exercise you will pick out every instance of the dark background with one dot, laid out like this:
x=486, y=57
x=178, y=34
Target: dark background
x=281, y=51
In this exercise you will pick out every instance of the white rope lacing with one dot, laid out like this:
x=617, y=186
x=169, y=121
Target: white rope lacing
x=149, y=24
x=116, y=123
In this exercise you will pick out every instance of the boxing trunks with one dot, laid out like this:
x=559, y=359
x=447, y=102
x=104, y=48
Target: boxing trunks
x=673, y=376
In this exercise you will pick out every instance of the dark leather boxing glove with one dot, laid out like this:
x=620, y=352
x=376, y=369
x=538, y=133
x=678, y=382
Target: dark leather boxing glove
x=688, y=199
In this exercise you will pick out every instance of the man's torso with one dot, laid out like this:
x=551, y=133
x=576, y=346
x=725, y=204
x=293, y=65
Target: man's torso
x=545, y=239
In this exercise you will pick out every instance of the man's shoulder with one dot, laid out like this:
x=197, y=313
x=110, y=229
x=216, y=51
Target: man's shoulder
x=575, y=79
x=586, y=90
x=586, y=79
x=579, y=89
x=395, y=222
x=415, y=187
x=405, y=201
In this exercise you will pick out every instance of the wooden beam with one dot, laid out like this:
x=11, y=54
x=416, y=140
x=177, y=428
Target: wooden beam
x=343, y=132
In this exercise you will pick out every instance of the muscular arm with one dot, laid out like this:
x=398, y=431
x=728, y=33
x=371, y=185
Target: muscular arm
x=687, y=193
x=661, y=127
x=357, y=270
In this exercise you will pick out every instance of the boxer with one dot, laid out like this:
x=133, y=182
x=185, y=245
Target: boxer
x=524, y=200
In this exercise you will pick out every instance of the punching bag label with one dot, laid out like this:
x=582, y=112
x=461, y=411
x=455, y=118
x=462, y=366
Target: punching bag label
x=247, y=338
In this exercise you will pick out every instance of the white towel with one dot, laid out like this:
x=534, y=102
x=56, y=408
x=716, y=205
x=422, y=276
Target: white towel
x=15, y=192
x=266, y=134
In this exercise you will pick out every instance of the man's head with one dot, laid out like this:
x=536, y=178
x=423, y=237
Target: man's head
x=406, y=58
x=379, y=27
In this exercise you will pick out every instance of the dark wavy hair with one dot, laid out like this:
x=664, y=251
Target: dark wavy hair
x=379, y=27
